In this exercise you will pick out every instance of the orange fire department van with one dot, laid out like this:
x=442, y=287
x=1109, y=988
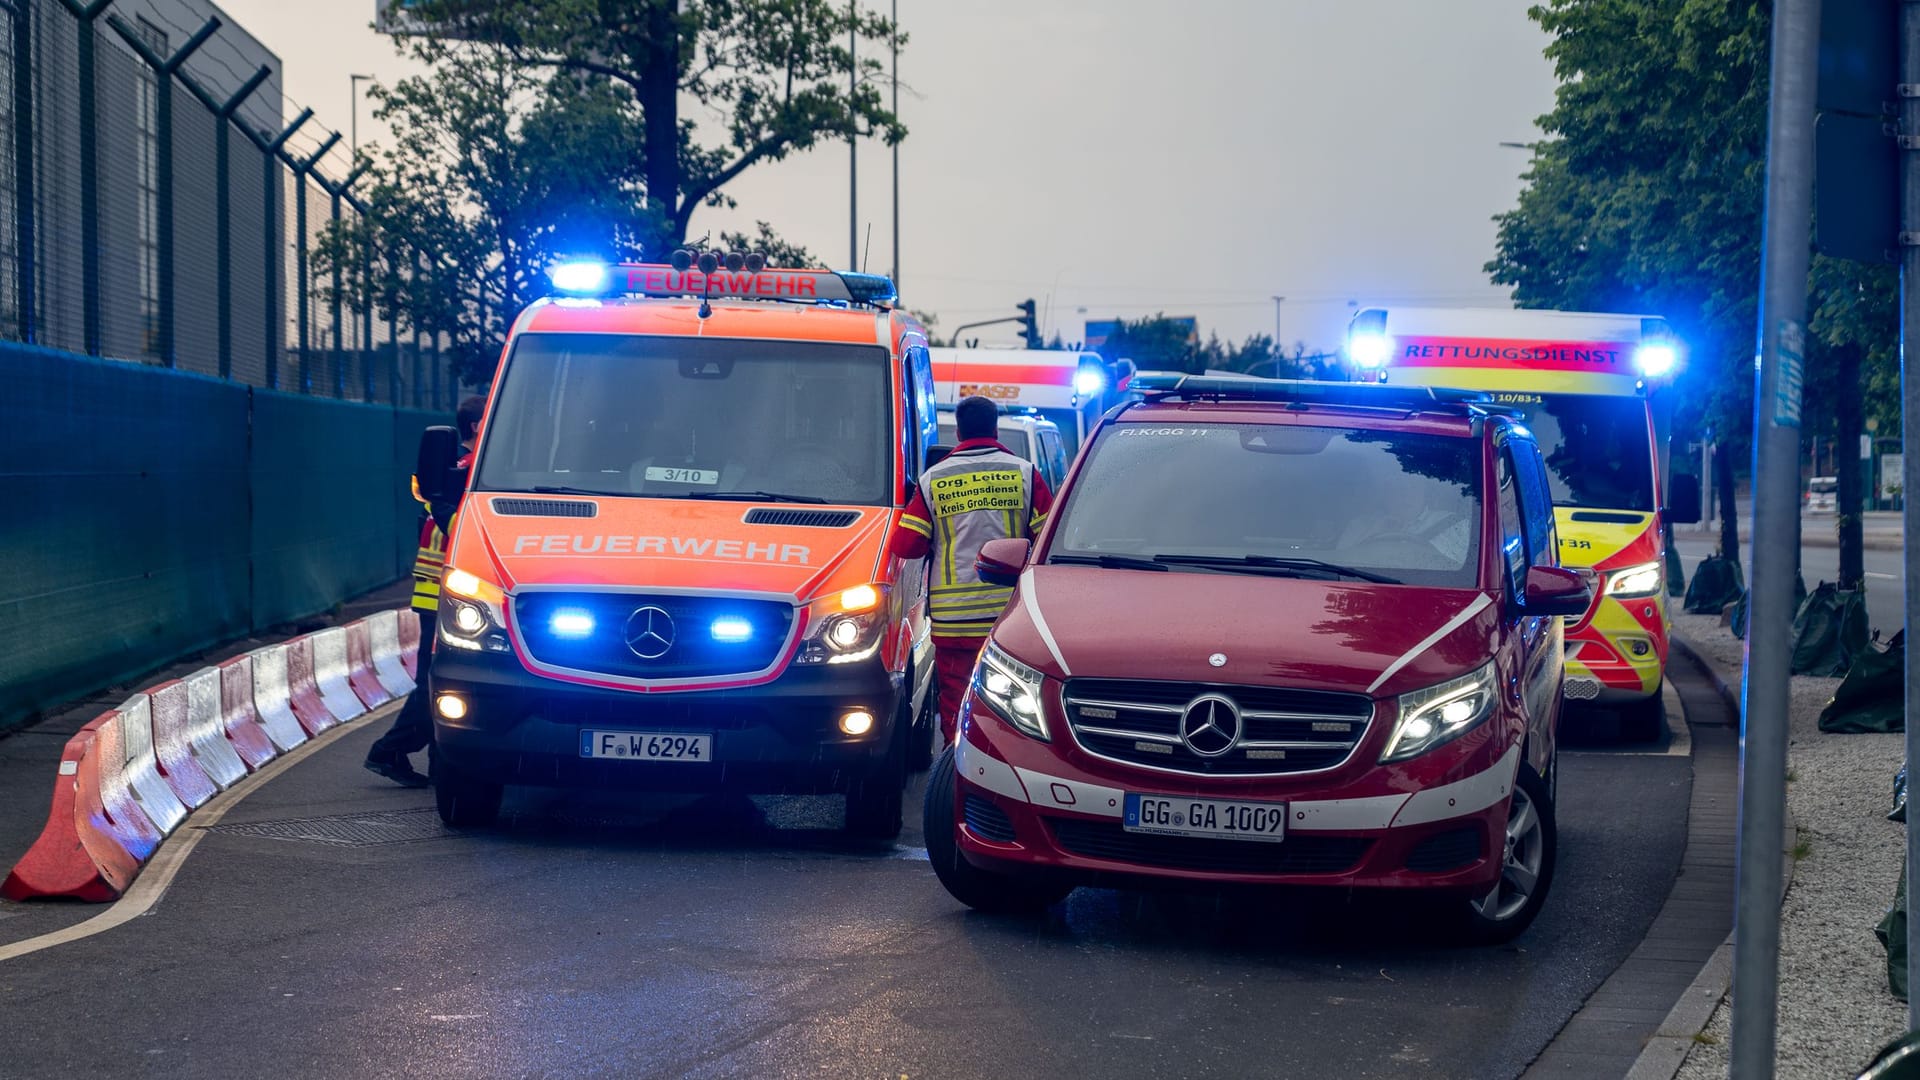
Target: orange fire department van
x=669, y=569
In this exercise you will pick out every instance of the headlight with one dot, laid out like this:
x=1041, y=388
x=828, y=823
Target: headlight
x=845, y=627
x=471, y=613
x=1441, y=713
x=1011, y=689
x=1635, y=581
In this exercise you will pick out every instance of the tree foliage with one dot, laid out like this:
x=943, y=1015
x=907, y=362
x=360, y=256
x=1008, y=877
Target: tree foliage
x=1160, y=343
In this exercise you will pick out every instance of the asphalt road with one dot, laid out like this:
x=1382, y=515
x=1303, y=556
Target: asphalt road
x=329, y=927
x=1885, y=569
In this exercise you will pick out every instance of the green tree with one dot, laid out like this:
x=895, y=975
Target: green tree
x=780, y=75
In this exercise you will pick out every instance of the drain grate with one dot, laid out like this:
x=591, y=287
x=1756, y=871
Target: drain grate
x=350, y=830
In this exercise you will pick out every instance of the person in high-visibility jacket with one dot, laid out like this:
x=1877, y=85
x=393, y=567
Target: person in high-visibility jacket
x=412, y=730
x=981, y=492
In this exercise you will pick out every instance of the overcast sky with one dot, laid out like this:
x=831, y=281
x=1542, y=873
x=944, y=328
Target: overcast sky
x=1124, y=157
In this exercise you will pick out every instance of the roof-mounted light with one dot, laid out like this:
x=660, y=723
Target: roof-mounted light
x=1656, y=359
x=1090, y=380
x=1369, y=351
x=580, y=277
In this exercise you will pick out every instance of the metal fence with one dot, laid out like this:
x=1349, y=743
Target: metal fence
x=156, y=207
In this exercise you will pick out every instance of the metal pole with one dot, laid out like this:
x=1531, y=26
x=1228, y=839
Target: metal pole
x=896, y=147
x=24, y=209
x=339, y=282
x=86, y=14
x=1786, y=248
x=276, y=249
x=223, y=202
x=853, y=137
x=1909, y=91
x=300, y=172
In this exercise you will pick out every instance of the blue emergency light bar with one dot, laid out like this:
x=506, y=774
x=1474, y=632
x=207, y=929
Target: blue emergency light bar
x=712, y=278
x=1167, y=385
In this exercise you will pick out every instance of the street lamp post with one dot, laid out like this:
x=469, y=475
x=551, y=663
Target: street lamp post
x=354, y=82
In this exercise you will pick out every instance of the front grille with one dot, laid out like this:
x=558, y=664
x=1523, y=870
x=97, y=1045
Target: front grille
x=693, y=652
x=1281, y=731
x=806, y=519
x=1449, y=850
x=545, y=508
x=1294, y=855
x=987, y=820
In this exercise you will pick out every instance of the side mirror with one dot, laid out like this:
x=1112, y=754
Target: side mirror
x=1554, y=590
x=1001, y=561
x=1683, y=500
x=937, y=455
x=435, y=469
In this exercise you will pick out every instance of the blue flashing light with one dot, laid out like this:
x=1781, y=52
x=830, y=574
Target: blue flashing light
x=1655, y=359
x=1370, y=351
x=581, y=277
x=1089, y=382
x=570, y=623
x=731, y=629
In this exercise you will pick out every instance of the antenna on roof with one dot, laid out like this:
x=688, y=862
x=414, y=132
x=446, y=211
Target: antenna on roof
x=866, y=251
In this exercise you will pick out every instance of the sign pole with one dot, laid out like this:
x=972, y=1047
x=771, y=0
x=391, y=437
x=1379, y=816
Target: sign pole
x=1786, y=252
x=1909, y=93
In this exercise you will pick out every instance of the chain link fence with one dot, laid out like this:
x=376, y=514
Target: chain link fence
x=157, y=205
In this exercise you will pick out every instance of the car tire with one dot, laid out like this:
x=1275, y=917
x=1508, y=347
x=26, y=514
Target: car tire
x=981, y=890
x=464, y=801
x=876, y=800
x=1643, y=721
x=1526, y=873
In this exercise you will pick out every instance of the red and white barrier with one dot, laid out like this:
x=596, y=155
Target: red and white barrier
x=129, y=778
x=272, y=700
x=364, y=681
x=303, y=693
x=410, y=644
x=330, y=673
x=383, y=634
x=239, y=717
x=156, y=798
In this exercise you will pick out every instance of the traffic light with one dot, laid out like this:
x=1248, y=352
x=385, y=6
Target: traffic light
x=1029, y=323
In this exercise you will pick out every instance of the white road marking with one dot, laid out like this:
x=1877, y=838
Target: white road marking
x=160, y=870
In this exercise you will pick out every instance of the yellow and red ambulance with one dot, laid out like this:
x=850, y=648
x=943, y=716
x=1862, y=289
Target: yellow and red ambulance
x=670, y=569
x=1589, y=386
x=1072, y=389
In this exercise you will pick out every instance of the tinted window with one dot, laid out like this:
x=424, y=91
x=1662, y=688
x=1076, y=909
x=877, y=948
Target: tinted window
x=1513, y=539
x=1402, y=505
x=1598, y=450
x=1055, y=457
x=659, y=416
x=1536, y=504
x=1010, y=436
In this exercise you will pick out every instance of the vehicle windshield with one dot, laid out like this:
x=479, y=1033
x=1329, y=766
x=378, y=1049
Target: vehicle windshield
x=1823, y=485
x=1397, y=505
x=1010, y=437
x=1598, y=449
x=673, y=416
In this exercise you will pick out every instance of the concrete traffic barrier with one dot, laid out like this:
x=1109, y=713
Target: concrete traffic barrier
x=272, y=700
x=141, y=766
x=330, y=673
x=207, y=730
x=302, y=691
x=240, y=718
x=411, y=646
x=361, y=677
x=383, y=632
x=86, y=851
x=173, y=746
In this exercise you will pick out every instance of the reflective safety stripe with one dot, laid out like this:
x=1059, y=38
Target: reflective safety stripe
x=919, y=525
x=428, y=564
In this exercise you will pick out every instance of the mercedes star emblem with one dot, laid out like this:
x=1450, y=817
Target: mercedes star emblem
x=1218, y=659
x=649, y=633
x=1211, y=725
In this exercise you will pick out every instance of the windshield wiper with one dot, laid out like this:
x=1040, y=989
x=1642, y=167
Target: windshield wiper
x=1274, y=562
x=753, y=496
x=1110, y=562
x=547, y=489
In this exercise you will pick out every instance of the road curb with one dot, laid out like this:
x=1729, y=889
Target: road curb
x=1666, y=1052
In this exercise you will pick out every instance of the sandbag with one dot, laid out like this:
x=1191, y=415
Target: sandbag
x=1716, y=583
x=1872, y=698
x=1737, y=615
x=1829, y=629
x=1676, y=571
x=1898, y=1060
x=1892, y=932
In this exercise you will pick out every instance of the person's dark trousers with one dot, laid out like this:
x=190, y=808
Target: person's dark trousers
x=413, y=729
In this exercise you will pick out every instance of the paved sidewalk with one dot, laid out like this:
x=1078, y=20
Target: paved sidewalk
x=1835, y=1009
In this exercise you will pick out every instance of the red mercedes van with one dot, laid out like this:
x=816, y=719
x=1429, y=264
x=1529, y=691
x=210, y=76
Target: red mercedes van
x=1278, y=633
